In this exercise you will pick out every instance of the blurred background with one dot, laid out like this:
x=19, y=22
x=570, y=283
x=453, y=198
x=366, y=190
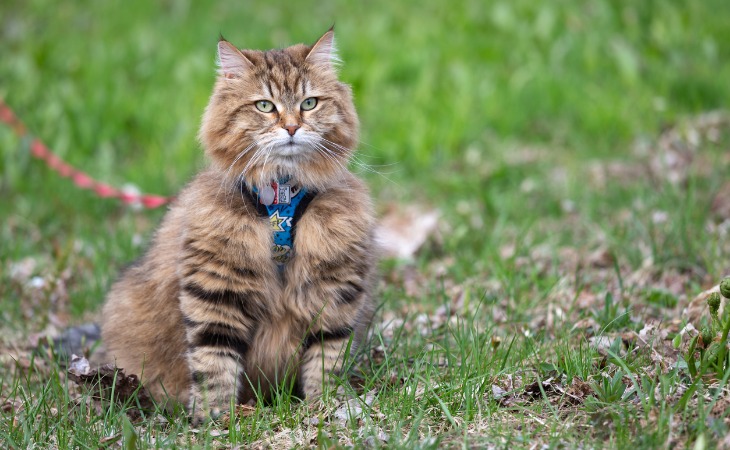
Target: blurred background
x=490, y=111
x=556, y=170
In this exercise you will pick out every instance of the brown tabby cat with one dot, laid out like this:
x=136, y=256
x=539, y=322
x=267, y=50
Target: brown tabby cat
x=218, y=310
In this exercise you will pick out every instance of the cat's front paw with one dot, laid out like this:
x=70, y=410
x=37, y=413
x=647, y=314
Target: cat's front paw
x=200, y=415
x=202, y=411
x=316, y=390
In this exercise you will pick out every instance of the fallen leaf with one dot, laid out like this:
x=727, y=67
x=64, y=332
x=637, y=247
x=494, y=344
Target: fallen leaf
x=548, y=386
x=240, y=411
x=498, y=392
x=106, y=380
x=218, y=433
x=380, y=436
x=353, y=408
x=579, y=389
x=588, y=324
x=110, y=439
x=79, y=366
x=601, y=343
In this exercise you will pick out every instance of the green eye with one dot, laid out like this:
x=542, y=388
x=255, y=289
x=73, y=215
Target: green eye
x=265, y=106
x=309, y=104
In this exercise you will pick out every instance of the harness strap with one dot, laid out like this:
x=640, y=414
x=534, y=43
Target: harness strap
x=299, y=212
x=283, y=216
x=260, y=208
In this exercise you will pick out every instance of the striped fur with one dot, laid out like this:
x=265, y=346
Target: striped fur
x=206, y=317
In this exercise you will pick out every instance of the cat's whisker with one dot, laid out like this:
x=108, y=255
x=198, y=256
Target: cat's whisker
x=354, y=157
x=244, y=175
x=324, y=151
x=342, y=150
x=332, y=156
x=359, y=159
x=357, y=155
x=372, y=169
x=238, y=157
x=240, y=179
x=355, y=160
x=251, y=162
x=314, y=145
x=241, y=187
x=237, y=180
x=254, y=159
x=262, y=174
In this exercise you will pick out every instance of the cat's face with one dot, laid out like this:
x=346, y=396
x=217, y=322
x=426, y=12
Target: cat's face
x=280, y=113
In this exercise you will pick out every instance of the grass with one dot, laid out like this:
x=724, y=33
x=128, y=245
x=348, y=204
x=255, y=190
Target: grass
x=581, y=200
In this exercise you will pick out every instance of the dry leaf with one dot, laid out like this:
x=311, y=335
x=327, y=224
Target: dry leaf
x=217, y=433
x=107, y=379
x=589, y=324
x=353, y=408
x=110, y=439
x=79, y=366
x=601, y=343
x=240, y=411
x=548, y=386
x=498, y=392
x=579, y=389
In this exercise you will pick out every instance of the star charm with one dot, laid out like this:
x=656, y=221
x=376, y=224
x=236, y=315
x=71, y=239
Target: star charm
x=278, y=221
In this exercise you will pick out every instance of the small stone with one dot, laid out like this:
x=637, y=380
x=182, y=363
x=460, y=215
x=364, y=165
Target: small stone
x=314, y=421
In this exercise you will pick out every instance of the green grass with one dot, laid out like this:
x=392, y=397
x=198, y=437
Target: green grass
x=534, y=127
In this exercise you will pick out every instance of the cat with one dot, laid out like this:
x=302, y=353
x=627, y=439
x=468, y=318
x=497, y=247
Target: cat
x=240, y=292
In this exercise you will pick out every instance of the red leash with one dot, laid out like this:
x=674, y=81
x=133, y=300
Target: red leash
x=39, y=150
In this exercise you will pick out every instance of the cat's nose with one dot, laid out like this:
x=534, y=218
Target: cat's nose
x=291, y=129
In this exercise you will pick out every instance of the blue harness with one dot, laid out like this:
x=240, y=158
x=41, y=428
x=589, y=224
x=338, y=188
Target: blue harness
x=283, y=211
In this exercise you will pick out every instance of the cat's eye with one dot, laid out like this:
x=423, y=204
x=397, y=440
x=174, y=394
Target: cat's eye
x=265, y=106
x=309, y=104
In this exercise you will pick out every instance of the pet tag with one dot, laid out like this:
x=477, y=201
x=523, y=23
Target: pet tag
x=267, y=195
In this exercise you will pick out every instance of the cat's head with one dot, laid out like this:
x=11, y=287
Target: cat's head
x=280, y=113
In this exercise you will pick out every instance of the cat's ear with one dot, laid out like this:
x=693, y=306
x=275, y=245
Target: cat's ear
x=231, y=62
x=324, y=53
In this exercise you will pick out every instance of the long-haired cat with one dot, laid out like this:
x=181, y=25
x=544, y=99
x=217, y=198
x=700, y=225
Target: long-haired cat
x=262, y=270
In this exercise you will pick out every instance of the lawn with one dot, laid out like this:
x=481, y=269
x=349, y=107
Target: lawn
x=577, y=155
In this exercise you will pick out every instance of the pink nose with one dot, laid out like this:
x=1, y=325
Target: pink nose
x=291, y=129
